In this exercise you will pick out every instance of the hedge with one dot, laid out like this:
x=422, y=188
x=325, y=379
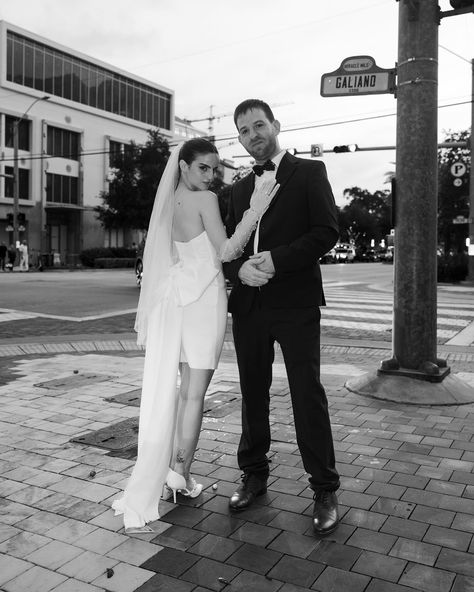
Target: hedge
x=88, y=257
x=452, y=268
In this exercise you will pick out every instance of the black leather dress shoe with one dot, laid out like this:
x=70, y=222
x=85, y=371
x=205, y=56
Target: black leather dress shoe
x=325, y=512
x=250, y=488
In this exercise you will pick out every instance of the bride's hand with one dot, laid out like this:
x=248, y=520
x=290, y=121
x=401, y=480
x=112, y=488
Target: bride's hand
x=263, y=195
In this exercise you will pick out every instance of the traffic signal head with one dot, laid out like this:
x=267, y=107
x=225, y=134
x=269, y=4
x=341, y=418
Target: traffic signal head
x=21, y=218
x=346, y=148
x=10, y=219
x=461, y=3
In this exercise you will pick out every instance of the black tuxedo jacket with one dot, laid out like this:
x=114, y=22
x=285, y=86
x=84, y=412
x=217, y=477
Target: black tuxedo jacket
x=298, y=228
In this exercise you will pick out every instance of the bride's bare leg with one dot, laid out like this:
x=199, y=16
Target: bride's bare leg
x=193, y=387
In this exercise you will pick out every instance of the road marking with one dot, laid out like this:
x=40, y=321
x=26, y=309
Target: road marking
x=464, y=337
x=375, y=327
x=15, y=315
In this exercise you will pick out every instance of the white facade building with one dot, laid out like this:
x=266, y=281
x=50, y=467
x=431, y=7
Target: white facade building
x=65, y=141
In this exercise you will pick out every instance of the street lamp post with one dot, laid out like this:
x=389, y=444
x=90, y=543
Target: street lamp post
x=16, y=178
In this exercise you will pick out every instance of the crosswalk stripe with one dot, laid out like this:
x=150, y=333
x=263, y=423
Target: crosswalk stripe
x=350, y=304
x=362, y=310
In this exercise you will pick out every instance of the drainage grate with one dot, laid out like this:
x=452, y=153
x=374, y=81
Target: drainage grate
x=131, y=398
x=118, y=437
x=73, y=381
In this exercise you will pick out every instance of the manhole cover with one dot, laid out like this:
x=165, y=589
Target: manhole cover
x=117, y=437
x=73, y=381
x=131, y=398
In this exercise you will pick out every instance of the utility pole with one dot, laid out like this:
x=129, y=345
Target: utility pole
x=16, y=172
x=471, y=189
x=414, y=340
x=16, y=183
x=414, y=374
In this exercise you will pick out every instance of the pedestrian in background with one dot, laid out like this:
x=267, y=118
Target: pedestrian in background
x=34, y=260
x=3, y=255
x=23, y=248
x=11, y=257
x=276, y=294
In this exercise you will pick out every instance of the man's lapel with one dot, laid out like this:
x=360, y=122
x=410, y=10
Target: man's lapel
x=287, y=167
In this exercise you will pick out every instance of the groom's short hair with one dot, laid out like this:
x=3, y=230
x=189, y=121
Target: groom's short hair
x=250, y=104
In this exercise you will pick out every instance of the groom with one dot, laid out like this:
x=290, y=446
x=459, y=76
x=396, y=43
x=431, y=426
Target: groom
x=276, y=297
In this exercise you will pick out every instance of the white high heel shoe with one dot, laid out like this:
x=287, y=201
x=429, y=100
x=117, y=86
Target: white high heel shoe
x=175, y=482
x=194, y=492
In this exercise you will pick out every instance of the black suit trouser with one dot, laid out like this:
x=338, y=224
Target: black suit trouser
x=298, y=333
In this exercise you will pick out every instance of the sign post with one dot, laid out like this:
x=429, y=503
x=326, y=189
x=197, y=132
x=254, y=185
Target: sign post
x=358, y=75
x=317, y=150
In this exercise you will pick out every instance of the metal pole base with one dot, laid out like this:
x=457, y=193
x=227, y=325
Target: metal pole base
x=428, y=371
x=412, y=391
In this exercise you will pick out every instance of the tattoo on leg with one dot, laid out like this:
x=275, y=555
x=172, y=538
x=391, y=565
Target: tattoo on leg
x=180, y=455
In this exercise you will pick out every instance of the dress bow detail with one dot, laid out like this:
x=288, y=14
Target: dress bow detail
x=190, y=282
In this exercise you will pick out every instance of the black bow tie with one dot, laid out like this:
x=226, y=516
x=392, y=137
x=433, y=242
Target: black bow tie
x=266, y=166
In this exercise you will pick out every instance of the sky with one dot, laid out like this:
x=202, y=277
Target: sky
x=218, y=53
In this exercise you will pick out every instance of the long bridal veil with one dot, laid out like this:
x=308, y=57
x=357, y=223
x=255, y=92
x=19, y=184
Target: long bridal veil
x=158, y=324
x=157, y=256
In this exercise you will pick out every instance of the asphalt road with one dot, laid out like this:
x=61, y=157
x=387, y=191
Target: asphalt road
x=69, y=293
x=87, y=293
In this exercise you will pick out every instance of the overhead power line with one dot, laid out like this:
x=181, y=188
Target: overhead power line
x=345, y=121
x=93, y=152
x=455, y=54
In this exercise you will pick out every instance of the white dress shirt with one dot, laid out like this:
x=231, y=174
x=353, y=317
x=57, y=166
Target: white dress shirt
x=258, y=181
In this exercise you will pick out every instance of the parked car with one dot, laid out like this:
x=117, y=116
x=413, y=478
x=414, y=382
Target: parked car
x=344, y=253
x=387, y=255
x=367, y=255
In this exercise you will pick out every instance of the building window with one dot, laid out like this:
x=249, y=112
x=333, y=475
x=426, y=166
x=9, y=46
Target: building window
x=23, y=185
x=61, y=189
x=114, y=237
x=63, y=143
x=116, y=150
x=23, y=133
x=38, y=66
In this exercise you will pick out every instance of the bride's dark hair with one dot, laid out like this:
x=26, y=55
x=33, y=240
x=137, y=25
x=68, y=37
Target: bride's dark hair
x=190, y=149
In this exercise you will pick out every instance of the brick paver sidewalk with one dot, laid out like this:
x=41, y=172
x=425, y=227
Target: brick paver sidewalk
x=406, y=499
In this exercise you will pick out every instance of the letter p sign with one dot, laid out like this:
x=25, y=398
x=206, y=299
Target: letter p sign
x=458, y=169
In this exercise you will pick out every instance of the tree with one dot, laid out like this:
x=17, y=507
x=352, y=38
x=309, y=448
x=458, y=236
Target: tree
x=453, y=200
x=135, y=175
x=223, y=191
x=365, y=217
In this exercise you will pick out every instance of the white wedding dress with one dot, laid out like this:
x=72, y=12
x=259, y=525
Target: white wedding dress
x=186, y=324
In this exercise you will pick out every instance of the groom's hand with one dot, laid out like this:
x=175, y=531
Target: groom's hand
x=263, y=261
x=250, y=275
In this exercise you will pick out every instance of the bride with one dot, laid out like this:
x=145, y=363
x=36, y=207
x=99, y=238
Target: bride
x=181, y=320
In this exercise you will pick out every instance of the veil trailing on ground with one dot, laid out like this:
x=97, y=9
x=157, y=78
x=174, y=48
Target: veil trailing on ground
x=158, y=253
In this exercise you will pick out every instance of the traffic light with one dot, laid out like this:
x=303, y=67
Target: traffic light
x=10, y=219
x=21, y=219
x=346, y=148
x=461, y=3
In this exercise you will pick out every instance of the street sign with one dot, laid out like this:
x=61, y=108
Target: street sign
x=358, y=75
x=317, y=150
x=457, y=182
x=458, y=169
